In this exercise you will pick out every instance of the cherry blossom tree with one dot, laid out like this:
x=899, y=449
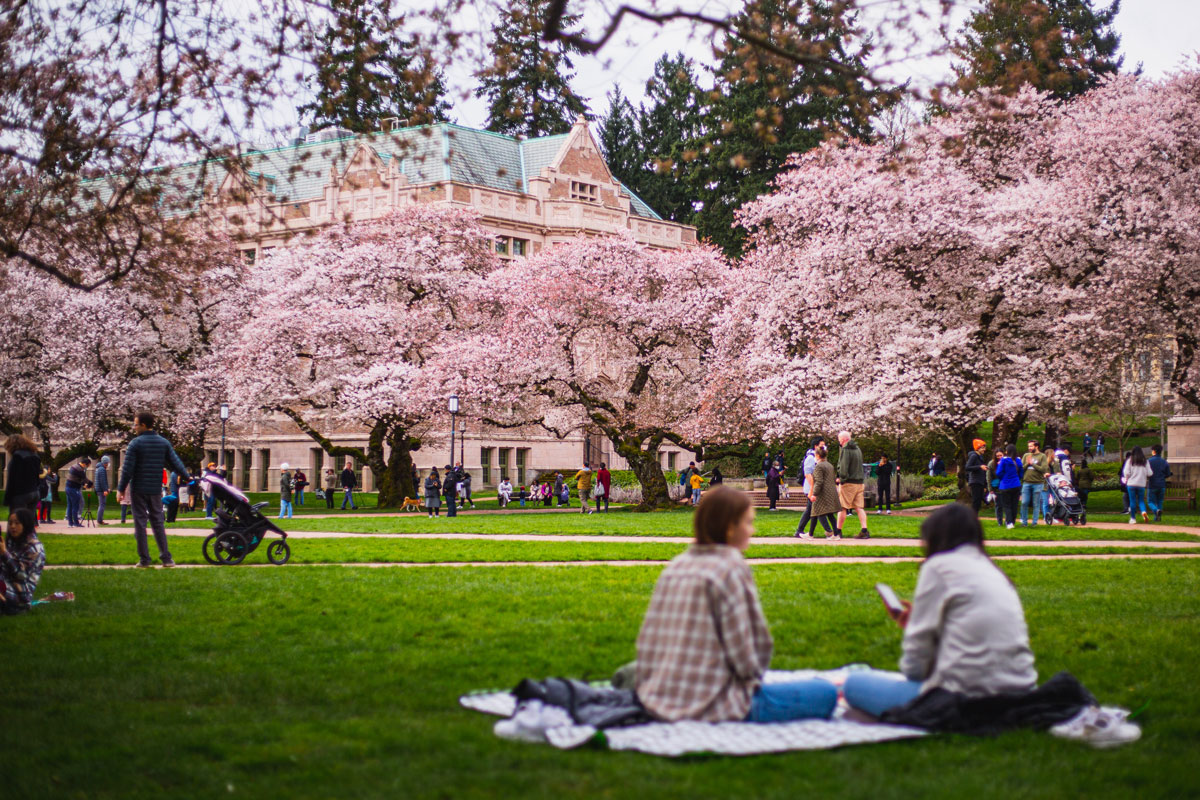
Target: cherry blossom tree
x=348, y=323
x=603, y=334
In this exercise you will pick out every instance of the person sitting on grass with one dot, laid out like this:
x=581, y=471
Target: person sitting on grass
x=966, y=658
x=22, y=558
x=704, y=644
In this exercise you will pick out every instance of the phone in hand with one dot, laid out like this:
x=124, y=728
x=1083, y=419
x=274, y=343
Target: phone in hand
x=891, y=600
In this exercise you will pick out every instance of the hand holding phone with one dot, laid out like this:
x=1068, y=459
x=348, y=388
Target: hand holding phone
x=897, y=609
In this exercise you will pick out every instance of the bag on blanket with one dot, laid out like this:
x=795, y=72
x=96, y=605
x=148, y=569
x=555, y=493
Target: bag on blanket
x=587, y=705
x=1057, y=700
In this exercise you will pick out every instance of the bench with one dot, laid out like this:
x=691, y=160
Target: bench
x=1181, y=491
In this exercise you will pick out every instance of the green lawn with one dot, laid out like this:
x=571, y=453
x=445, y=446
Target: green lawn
x=331, y=682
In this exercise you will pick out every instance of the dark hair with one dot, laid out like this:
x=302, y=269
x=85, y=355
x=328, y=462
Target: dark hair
x=1156, y=449
x=950, y=526
x=882, y=456
x=145, y=418
x=19, y=441
x=1084, y=463
x=1010, y=451
x=1137, y=457
x=720, y=509
x=27, y=519
x=816, y=440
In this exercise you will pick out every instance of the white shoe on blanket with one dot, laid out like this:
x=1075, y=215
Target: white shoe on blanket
x=531, y=720
x=1100, y=727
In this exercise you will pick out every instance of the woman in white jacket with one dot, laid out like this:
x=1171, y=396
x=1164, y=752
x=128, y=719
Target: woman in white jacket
x=504, y=492
x=1136, y=475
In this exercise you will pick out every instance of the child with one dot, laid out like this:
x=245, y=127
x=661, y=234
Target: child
x=696, y=482
x=125, y=498
x=523, y=495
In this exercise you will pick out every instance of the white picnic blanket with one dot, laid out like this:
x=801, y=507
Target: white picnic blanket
x=723, y=738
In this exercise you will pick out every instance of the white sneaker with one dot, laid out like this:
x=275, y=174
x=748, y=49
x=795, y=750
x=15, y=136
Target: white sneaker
x=530, y=722
x=1100, y=727
x=1132, y=521
x=1010, y=526
x=889, y=511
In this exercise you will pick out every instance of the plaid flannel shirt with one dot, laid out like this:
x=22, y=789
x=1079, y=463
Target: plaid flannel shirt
x=704, y=644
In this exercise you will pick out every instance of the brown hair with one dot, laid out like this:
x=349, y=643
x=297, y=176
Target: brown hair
x=19, y=441
x=145, y=418
x=720, y=509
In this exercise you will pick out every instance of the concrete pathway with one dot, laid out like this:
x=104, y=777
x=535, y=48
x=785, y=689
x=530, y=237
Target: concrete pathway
x=609, y=539
x=631, y=563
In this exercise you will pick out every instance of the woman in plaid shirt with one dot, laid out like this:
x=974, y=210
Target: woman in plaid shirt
x=704, y=644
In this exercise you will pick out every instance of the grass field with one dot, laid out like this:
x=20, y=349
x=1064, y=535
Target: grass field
x=333, y=682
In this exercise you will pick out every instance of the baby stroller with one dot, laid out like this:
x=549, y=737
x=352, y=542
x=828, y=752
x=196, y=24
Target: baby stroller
x=240, y=528
x=1064, y=501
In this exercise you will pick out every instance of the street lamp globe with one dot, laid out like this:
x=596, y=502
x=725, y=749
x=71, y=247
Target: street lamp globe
x=224, y=411
x=453, y=404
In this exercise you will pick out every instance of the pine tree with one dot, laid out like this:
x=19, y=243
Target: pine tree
x=367, y=70
x=763, y=108
x=619, y=140
x=1064, y=47
x=528, y=83
x=671, y=129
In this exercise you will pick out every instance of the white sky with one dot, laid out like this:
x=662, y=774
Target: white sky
x=1160, y=34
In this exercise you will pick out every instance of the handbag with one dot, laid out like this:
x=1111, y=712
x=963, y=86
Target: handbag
x=599, y=490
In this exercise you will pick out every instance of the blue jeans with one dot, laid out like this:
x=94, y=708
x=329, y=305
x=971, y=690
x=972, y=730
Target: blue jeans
x=74, y=504
x=1156, y=496
x=1031, y=497
x=876, y=692
x=782, y=702
x=1137, y=499
x=695, y=496
x=300, y=497
x=285, y=508
x=1100, y=449
x=348, y=498
x=210, y=505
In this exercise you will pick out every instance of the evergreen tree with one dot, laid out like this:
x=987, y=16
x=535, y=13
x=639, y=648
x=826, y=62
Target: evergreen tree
x=763, y=109
x=618, y=135
x=367, y=70
x=1061, y=46
x=528, y=84
x=671, y=129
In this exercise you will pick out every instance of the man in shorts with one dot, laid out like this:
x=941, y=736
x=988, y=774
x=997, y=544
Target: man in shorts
x=850, y=484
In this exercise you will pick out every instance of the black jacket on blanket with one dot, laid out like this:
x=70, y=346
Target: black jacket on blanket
x=587, y=705
x=1055, y=701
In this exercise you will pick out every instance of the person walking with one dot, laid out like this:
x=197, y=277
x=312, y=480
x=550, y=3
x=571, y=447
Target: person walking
x=23, y=474
x=583, y=485
x=1087, y=444
x=604, y=485
x=772, y=486
x=466, y=487
x=885, y=470
x=329, y=484
x=806, y=472
x=823, y=495
x=76, y=482
x=1033, y=481
x=450, y=490
x=299, y=482
x=1121, y=480
x=46, y=482
x=1137, y=476
x=146, y=457
x=1008, y=475
x=1156, y=489
x=1084, y=478
x=1100, y=444
x=102, y=486
x=850, y=484
x=977, y=474
x=286, y=488
x=433, y=493
x=349, y=481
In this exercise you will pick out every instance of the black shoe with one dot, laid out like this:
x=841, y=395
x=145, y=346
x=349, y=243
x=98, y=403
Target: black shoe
x=168, y=564
x=863, y=534
x=1158, y=516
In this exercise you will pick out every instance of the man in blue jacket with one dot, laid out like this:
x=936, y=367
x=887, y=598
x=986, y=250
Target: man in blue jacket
x=1156, y=488
x=148, y=454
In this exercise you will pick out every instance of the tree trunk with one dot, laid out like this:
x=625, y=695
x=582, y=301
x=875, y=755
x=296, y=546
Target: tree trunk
x=963, y=438
x=394, y=478
x=1053, y=436
x=1005, y=430
x=645, y=466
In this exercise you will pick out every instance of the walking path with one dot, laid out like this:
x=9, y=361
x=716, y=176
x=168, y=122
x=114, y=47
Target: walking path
x=630, y=563
x=607, y=539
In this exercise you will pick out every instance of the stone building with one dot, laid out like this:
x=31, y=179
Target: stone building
x=531, y=193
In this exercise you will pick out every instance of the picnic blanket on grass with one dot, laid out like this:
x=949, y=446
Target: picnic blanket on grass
x=719, y=738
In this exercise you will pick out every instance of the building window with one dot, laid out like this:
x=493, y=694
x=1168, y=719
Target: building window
x=507, y=246
x=485, y=459
x=248, y=257
x=522, y=456
x=503, y=452
x=264, y=477
x=671, y=461
x=244, y=483
x=587, y=192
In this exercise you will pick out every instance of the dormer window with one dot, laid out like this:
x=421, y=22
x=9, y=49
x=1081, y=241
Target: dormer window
x=587, y=192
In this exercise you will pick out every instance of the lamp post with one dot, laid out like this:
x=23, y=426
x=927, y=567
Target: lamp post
x=453, y=419
x=224, y=417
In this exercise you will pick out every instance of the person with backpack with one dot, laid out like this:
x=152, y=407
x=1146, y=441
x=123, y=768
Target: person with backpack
x=450, y=490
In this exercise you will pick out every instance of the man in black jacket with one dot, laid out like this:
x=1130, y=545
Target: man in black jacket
x=145, y=459
x=348, y=484
x=977, y=474
x=450, y=490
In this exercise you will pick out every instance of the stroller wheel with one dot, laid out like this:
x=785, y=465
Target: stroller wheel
x=230, y=548
x=278, y=552
x=206, y=549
